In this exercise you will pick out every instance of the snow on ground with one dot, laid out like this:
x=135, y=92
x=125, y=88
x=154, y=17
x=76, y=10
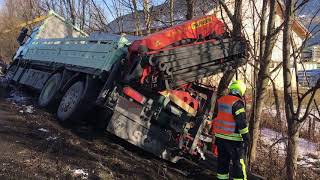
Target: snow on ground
x=27, y=109
x=309, y=154
x=43, y=130
x=51, y=138
x=17, y=96
x=80, y=173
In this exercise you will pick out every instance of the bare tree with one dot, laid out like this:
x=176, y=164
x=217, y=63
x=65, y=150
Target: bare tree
x=294, y=115
x=190, y=9
x=171, y=12
x=236, y=32
x=71, y=6
x=136, y=17
x=147, y=15
x=267, y=43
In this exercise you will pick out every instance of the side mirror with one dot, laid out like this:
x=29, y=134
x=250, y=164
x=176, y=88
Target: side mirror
x=22, y=36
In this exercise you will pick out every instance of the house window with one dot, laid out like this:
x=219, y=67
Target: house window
x=316, y=54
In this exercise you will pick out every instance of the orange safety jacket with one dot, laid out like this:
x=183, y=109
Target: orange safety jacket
x=224, y=125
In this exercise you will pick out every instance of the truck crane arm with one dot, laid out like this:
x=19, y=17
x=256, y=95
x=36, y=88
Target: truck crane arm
x=184, y=53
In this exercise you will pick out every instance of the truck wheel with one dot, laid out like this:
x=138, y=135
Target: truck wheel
x=70, y=105
x=49, y=91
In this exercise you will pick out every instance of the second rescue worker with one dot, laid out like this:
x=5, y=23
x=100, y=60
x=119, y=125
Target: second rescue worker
x=231, y=132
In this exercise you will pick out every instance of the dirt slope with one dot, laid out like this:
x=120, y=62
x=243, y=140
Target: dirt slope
x=34, y=146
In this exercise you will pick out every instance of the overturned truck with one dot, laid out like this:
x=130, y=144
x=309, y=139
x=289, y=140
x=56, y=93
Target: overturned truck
x=147, y=84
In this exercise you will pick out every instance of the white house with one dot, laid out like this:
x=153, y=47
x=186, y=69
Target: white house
x=251, y=30
x=311, y=55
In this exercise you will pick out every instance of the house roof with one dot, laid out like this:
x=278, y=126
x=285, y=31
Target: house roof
x=297, y=26
x=161, y=16
x=161, y=12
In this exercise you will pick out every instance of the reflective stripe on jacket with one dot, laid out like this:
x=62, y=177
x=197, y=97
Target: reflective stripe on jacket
x=224, y=125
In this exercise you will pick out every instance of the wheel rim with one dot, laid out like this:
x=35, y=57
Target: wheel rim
x=70, y=100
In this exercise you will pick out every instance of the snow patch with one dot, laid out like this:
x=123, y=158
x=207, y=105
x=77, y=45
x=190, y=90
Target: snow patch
x=80, y=173
x=51, y=138
x=43, y=130
x=269, y=137
x=305, y=147
x=27, y=109
x=308, y=161
x=18, y=97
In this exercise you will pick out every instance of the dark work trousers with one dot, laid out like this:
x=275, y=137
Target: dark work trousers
x=234, y=151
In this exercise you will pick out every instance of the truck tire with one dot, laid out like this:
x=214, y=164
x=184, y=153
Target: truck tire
x=70, y=108
x=50, y=90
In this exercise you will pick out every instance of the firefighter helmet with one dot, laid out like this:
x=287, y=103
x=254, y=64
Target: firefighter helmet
x=238, y=87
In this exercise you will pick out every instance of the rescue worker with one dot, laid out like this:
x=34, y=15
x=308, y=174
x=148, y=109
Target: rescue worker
x=231, y=132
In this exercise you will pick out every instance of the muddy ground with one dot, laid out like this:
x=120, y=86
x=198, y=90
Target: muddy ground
x=33, y=145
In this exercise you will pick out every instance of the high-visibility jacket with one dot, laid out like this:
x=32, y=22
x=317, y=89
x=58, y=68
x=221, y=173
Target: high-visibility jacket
x=224, y=125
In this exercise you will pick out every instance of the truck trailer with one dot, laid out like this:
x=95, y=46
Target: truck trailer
x=149, y=85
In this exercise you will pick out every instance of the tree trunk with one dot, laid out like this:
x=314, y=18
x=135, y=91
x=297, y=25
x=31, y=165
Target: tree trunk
x=72, y=11
x=136, y=17
x=313, y=128
x=171, y=12
x=190, y=9
x=292, y=120
x=237, y=25
x=236, y=33
x=147, y=15
x=83, y=18
x=224, y=82
x=262, y=81
x=292, y=149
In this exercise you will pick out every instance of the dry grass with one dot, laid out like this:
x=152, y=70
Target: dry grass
x=270, y=100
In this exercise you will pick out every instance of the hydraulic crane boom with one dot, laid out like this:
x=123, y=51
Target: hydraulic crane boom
x=184, y=53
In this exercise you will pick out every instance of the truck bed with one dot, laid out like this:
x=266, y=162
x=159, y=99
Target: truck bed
x=83, y=52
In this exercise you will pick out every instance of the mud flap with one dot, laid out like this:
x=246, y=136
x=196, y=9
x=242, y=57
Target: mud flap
x=127, y=124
